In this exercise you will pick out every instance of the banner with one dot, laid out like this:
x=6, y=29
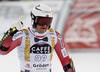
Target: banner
x=82, y=28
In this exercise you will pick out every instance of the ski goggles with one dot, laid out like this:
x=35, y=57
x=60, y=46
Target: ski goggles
x=44, y=21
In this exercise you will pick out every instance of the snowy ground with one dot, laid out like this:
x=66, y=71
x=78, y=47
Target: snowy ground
x=84, y=62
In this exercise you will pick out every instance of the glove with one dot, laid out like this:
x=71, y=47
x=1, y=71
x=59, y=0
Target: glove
x=18, y=24
x=9, y=33
x=14, y=28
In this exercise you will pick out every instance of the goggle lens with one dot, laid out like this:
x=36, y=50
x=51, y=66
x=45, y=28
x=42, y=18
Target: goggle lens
x=44, y=21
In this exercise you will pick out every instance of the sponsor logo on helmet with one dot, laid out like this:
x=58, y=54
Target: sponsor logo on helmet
x=46, y=12
x=37, y=8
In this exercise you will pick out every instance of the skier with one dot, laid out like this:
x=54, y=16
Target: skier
x=35, y=44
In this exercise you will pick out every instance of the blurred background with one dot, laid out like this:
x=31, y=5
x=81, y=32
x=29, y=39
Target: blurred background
x=78, y=21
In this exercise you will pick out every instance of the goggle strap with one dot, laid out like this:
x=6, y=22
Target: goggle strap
x=34, y=18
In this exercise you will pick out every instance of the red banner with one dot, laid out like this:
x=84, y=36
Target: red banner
x=82, y=29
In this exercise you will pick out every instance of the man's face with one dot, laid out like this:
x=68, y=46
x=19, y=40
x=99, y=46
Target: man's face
x=42, y=29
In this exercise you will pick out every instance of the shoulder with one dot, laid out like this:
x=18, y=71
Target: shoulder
x=18, y=33
x=21, y=33
x=52, y=32
x=26, y=30
x=58, y=35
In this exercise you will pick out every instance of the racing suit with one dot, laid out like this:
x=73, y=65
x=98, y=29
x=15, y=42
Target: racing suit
x=35, y=50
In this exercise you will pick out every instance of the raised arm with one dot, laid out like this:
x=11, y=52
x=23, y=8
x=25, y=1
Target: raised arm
x=7, y=44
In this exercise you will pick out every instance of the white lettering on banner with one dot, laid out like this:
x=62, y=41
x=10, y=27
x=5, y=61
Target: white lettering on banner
x=82, y=30
x=85, y=4
x=64, y=52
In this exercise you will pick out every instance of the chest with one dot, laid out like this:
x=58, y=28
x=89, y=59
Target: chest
x=33, y=46
x=40, y=45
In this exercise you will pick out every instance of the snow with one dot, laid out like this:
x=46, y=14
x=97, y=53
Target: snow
x=86, y=61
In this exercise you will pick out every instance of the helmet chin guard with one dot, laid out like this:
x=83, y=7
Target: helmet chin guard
x=41, y=11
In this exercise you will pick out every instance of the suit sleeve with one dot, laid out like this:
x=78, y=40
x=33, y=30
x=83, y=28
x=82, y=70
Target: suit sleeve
x=62, y=52
x=10, y=43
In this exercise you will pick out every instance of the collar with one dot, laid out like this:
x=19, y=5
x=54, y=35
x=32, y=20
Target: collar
x=35, y=33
